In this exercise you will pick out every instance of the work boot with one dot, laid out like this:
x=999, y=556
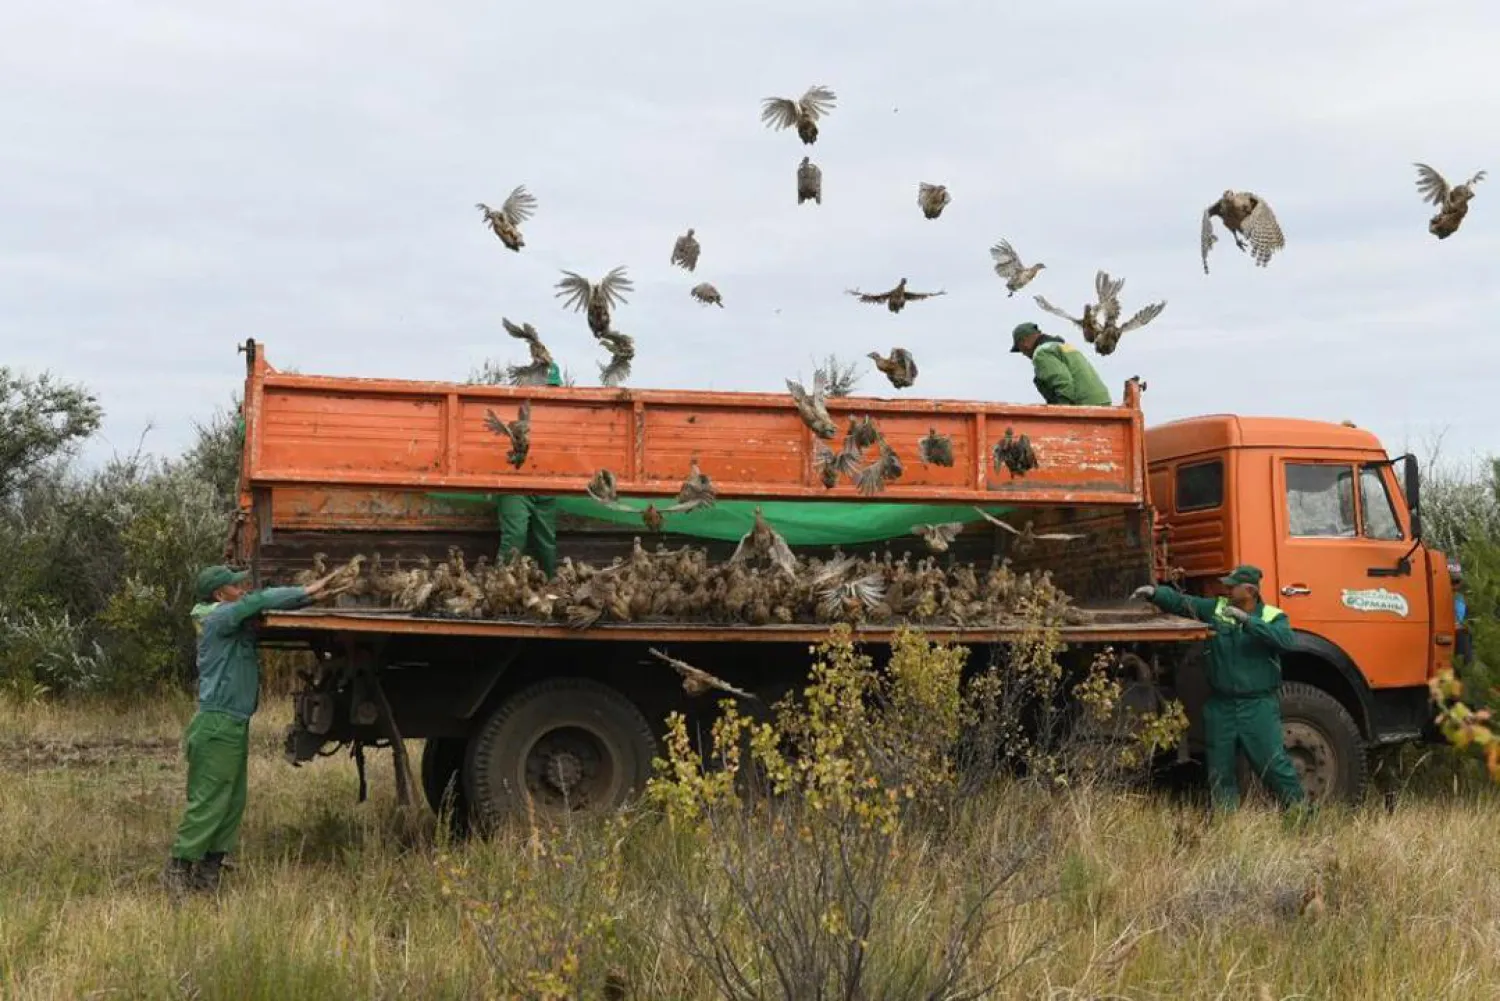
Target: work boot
x=218, y=859
x=206, y=873
x=177, y=877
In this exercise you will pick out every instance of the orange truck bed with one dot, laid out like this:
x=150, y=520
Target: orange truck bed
x=328, y=433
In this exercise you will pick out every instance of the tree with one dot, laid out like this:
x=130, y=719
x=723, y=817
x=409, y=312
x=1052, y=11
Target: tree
x=40, y=420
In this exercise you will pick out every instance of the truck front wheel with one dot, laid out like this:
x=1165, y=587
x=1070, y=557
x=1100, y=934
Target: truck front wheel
x=569, y=745
x=1324, y=744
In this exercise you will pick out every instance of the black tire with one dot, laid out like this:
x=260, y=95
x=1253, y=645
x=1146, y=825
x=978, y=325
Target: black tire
x=569, y=745
x=1324, y=743
x=442, y=779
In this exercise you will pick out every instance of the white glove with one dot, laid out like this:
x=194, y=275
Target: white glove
x=1144, y=593
x=1237, y=614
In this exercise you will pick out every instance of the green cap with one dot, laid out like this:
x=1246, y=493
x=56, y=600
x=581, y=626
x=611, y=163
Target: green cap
x=1019, y=335
x=1243, y=575
x=554, y=375
x=210, y=579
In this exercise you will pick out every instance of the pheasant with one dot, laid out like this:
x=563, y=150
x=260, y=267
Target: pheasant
x=696, y=681
x=833, y=465
x=873, y=478
x=1027, y=537
x=809, y=181
x=802, y=113
x=518, y=432
x=900, y=367
x=896, y=299
x=1009, y=267
x=938, y=537
x=935, y=449
x=1247, y=216
x=685, y=251
x=534, y=374
x=764, y=542
x=621, y=349
x=581, y=294
x=697, y=491
x=707, y=294
x=1452, y=202
x=1015, y=454
x=932, y=198
x=813, y=407
x=516, y=209
x=602, y=488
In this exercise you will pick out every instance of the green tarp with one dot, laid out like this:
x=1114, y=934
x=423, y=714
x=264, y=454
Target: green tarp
x=801, y=523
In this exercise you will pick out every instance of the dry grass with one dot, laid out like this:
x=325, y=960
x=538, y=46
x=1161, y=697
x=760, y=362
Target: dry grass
x=339, y=900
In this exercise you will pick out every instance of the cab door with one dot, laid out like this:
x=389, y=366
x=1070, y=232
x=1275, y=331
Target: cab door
x=1339, y=541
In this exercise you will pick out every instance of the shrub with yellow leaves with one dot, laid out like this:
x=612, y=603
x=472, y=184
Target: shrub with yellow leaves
x=1464, y=727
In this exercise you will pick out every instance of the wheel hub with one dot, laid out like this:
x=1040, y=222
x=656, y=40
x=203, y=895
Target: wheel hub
x=1313, y=755
x=568, y=769
x=563, y=771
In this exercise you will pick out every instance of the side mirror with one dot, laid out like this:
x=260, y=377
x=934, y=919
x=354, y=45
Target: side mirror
x=1412, y=480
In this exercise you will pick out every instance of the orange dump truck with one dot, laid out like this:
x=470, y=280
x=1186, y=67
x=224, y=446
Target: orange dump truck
x=340, y=466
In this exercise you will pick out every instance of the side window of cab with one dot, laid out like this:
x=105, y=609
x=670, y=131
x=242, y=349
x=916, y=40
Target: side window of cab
x=1320, y=501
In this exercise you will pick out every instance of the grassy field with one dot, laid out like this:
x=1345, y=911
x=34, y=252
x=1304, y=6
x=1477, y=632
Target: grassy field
x=334, y=899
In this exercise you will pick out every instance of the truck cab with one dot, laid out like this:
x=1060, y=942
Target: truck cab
x=1320, y=509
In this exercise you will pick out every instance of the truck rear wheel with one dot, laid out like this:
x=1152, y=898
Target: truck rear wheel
x=569, y=745
x=442, y=778
x=1324, y=744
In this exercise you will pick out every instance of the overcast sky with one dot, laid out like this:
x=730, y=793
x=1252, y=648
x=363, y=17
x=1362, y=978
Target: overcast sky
x=178, y=176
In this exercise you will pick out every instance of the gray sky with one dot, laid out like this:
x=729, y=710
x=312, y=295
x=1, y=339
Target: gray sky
x=178, y=176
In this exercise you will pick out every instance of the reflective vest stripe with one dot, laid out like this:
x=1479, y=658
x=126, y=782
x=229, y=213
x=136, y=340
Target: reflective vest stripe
x=1267, y=612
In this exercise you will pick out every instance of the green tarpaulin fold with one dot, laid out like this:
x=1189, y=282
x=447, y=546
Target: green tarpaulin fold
x=801, y=523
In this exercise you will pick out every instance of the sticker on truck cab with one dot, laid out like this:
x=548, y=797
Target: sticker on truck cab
x=1377, y=600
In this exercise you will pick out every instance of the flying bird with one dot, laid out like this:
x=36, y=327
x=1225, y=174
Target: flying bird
x=900, y=367
x=685, y=251
x=932, y=198
x=1452, y=202
x=697, y=491
x=935, y=449
x=896, y=299
x=831, y=465
x=764, y=542
x=602, y=488
x=698, y=682
x=651, y=518
x=1015, y=454
x=516, y=209
x=1027, y=537
x=1008, y=266
x=938, y=537
x=813, y=407
x=534, y=374
x=1100, y=321
x=581, y=294
x=809, y=181
x=1247, y=216
x=517, y=432
x=803, y=113
x=621, y=349
x=873, y=478
x=707, y=294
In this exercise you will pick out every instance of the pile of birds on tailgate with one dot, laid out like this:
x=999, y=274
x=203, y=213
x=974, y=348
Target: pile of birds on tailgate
x=681, y=584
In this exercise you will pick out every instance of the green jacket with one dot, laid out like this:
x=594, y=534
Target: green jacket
x=1242, y=659
x=1064, y=375
x=228, y=666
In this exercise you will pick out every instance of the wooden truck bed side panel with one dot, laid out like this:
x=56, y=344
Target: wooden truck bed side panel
x=323, y=432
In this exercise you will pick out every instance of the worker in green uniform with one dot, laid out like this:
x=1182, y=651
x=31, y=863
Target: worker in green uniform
x=1061, y=373
x=1243, y=711
x=217, y=740
x=529, y=524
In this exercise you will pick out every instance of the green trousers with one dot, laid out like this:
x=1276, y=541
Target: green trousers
x=529, y=524
x=1251, y=725
x=218, y=757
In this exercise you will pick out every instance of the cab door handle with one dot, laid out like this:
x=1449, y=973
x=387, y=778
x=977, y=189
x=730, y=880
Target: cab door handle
x=1295, y=590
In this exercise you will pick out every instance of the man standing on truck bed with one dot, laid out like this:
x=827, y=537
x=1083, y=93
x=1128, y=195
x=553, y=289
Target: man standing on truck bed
x=217, y=741
x=1062, y=374
x=1244, y=678
x=529, y=524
